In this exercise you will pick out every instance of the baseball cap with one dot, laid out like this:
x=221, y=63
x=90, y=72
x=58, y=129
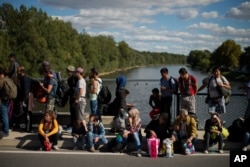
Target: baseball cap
x=70, y=68
x=80, y=70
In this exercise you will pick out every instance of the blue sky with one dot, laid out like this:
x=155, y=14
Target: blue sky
x=174, y=26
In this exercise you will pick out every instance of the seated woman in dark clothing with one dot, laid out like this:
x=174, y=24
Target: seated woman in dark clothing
x=213, y=129
x=159, y=128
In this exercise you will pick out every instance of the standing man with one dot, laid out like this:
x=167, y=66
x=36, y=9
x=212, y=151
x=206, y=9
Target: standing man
x=72, y=80
x=167, y=88
x=4, y=106
x=24, y=84
x=95, y=88
x=216, y=102
x=80, y=96
x=13, y=67
x=49, y=85
x=188, y=89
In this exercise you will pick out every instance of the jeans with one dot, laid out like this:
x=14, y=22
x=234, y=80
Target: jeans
x=94, y=107
x=246, y=139
x=217, y=106
x=4, y=107
x=91, y=137
x=209, y=141
x=137, y=140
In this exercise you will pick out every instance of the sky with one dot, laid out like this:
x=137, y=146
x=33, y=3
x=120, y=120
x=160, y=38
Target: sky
x=173, y=26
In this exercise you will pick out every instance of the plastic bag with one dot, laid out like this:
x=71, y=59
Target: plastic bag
x=153, y=145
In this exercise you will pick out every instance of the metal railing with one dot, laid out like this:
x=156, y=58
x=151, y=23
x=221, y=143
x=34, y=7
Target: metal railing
x=140, y=90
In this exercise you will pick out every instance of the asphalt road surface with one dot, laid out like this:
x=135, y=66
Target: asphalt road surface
x=24, y=158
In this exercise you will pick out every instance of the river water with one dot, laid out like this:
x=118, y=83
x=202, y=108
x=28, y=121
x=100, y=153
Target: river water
x=140, y=82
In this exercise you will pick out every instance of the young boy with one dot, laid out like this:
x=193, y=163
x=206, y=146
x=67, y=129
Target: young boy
x=96, y=133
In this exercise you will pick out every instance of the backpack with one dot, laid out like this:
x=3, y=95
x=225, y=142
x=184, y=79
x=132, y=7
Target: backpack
x=226, y=92
x=236, y=130
x=176, y=84
x=62, y=89
x=9, y=88
x=171, y=85
x=104, y=96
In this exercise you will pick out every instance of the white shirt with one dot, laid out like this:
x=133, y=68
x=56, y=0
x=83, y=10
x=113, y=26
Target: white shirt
x=81, y=84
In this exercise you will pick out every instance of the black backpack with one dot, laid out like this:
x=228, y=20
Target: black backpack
x=104, y=96
x=62, y=89
x=236, y=130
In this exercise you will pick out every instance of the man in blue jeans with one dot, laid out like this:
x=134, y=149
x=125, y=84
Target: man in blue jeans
x=4, y=106
x=96, y=133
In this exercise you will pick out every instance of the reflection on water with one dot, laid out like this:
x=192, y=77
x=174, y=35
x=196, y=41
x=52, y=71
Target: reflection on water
x=142, y=80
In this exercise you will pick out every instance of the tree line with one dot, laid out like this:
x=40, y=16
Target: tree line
x=228, y=55
x=33, y=37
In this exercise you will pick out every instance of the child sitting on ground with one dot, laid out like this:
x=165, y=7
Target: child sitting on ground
x=96, y=133
x=79, y=135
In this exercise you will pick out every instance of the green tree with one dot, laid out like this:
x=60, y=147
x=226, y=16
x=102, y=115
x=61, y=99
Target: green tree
x=227, y=55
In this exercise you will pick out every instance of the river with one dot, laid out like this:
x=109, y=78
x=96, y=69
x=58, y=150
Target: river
x=140, y=82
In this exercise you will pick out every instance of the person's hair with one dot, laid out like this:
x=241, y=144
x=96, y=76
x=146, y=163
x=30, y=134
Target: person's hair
x=134, y=114
x=94, y=70
x=183, y=71
x=51, y=114
x=94, y=116
x=216, y=68
x=21, y=68
x=183, y=111
x=155, y=90
x=12, y=55
x=164, y=70
x=164, y=116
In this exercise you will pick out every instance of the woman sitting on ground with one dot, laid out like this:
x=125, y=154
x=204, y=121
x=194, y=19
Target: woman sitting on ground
x=48, y=130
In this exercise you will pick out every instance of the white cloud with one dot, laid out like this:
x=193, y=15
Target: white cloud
x=137, y=23
x=123, y=4
x=209, y=15
x=188, y=14
x=216, y=29
x=241, y=12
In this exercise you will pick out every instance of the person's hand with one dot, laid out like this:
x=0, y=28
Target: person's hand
x=153, y=134
x=189, y=140
x=176, y=127
x=96, y=139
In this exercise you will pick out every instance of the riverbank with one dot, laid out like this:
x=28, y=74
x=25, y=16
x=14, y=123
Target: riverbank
x=118, y=70
x=235, y=76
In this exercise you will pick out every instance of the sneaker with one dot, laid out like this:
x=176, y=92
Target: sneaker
x=138, y=153
x=206, y=152
x=41, y=148
x=69, y=129
x=244, y=148
x=92, y=149
x=83, y=147
x=221, y=151
x=55, y=147
x=75, y=148
x=100, y=146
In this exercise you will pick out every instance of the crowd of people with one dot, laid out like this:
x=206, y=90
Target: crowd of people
x=90, y=134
